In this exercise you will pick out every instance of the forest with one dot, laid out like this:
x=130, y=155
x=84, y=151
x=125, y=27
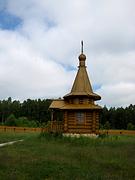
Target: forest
x=35, y=113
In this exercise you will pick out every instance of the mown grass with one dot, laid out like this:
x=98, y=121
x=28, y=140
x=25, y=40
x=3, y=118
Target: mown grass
x=45, y=157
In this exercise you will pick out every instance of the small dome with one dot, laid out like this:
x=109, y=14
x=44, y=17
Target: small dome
x=82, y=57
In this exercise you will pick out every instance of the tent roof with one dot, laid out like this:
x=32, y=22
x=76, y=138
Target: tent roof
x=82, y=85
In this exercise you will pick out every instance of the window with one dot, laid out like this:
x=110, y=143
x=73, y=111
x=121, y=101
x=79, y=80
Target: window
x=71, y=101
x=80, y=117
x=90, y=101
x=81, y=101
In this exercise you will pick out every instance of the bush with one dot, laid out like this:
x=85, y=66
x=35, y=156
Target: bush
x=102, y=135
x=101, y=126
x=130, y=126
x=50, y=135
x=11, y=120
x=20, y=122
x=107, y=125
x=24, y=122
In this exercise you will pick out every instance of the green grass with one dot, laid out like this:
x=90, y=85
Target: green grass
x=46, y=157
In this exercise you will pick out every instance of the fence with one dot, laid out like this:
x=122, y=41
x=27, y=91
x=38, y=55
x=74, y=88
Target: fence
x=117, y=132
x=52, y=126
x=59, y=128
x=19, y=129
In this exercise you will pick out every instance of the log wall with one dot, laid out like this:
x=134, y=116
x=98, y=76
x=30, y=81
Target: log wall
x=89, y=125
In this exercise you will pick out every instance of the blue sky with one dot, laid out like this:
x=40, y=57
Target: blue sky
x=40, y=45
x=9, y=21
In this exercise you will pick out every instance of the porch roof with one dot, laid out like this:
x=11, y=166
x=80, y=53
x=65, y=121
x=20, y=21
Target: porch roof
x=61, y=104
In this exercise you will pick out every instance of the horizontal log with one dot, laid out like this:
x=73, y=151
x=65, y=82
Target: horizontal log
x=70, y=121
x=79, y=127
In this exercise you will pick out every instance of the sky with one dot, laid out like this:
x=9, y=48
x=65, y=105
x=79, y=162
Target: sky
x=40, y=45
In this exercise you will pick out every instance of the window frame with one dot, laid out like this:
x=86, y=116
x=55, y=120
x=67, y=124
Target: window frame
x=80, y=117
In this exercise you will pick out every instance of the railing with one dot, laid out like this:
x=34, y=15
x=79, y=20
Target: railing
x=58, y=127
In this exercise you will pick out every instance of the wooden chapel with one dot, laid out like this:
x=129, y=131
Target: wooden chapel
x=80, y=113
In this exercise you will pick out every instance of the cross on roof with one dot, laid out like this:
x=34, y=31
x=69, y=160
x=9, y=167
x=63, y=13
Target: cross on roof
x=82, y=47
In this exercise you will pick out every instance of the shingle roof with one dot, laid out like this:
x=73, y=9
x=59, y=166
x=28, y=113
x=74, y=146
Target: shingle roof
x=82, y=85
x=61, y=104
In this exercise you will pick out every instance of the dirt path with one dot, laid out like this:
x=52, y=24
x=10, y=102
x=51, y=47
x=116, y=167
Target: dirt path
x=9, y=143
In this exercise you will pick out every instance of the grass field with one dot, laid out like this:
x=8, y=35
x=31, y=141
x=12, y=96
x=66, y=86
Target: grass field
x=38, y=158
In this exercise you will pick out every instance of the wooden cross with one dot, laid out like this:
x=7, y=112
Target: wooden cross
x=82, y=47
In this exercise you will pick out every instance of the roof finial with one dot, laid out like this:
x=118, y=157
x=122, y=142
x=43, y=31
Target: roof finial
x=82, y=47
x=82, y=56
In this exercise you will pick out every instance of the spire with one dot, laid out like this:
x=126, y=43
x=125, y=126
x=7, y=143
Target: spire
x=82, y=85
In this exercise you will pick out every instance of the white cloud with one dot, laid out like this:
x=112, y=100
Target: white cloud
x=24, y=74
x=35, y=57
x=119, y=94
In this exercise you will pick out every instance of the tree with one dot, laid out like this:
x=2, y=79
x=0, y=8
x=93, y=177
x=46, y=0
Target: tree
x=38, y=111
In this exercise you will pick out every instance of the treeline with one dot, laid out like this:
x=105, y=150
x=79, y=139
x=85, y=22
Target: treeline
x=29, y=110
x=118, y=118
x=35, y=113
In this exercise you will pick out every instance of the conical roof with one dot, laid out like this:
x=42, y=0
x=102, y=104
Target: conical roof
x=82, y=85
